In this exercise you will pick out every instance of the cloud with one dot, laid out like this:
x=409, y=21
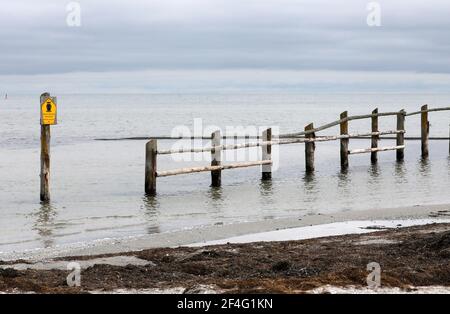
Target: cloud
x=222, y=81
x=178, y=36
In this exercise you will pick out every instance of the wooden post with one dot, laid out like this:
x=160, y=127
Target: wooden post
x=375, y=138
x=425, y=129
x=344, y=141
x=216, y=159
x=266, y=154
x=449, y=139
x=151, y=153
x=401, y=136
x=45, y=163
x=309, y=149
x=45, y=157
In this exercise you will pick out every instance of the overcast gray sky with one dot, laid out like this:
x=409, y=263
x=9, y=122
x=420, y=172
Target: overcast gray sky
x=224, y=45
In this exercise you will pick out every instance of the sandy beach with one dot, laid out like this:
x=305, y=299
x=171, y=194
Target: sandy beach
x=318, y=254
x=412, y=259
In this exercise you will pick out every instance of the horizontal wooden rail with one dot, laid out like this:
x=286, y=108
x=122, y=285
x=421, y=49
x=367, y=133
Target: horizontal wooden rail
x=287, y=135
x=372, y=150
x=208, y=149
x=175, y=138
x=357, y=117
x=212, y=168
x=274, y=142
x=336, y=137
x=410, y=138
x=428, y=110
x=338, y=122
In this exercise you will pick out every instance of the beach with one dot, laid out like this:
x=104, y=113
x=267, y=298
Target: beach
x=412, y=260
x=315, y=254
x=224, y=148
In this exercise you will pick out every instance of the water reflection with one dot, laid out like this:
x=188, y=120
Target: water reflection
x=344, y=178
x=266, y=191
x=374, y=171
x=424, y=167
x=310, y=181
x=151, y=203
x=152, y=207
x=44, y=223
x=400, y=172
x=215, y=194
x=266, y=188
x=374, y=179
x=310, y=187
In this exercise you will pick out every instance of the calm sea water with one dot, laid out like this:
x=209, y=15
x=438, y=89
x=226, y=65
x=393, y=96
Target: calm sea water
x=97, y=186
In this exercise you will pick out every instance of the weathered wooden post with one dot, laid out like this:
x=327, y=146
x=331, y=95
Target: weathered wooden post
x=309, y=148
x=48, y=118
x=344, y=141
x=266, y=154
x=216, y=159
x=401, y=135
x=425, y=130
x=151, y=153
x=375, y=138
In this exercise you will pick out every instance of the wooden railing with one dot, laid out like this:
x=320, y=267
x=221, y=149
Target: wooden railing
x=216, y=166
x=307, y=136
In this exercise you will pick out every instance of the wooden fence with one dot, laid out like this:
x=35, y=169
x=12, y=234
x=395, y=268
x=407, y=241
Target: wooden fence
x=308, y=136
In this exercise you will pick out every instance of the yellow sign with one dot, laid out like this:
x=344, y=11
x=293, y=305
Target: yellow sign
x=48, y=112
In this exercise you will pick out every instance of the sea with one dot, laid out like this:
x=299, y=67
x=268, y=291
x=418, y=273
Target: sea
x=97, y=185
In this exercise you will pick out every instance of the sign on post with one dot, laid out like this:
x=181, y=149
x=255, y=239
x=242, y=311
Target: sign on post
x=49, y=111
x=48, y=118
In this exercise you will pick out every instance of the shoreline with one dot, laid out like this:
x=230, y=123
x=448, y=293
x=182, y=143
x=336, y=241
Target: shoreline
x=412, y=260
x=212, y=233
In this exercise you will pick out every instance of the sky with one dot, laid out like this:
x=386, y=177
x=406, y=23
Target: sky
x=177, y=46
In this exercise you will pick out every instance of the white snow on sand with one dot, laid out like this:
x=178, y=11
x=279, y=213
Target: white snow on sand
x=325, y=230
